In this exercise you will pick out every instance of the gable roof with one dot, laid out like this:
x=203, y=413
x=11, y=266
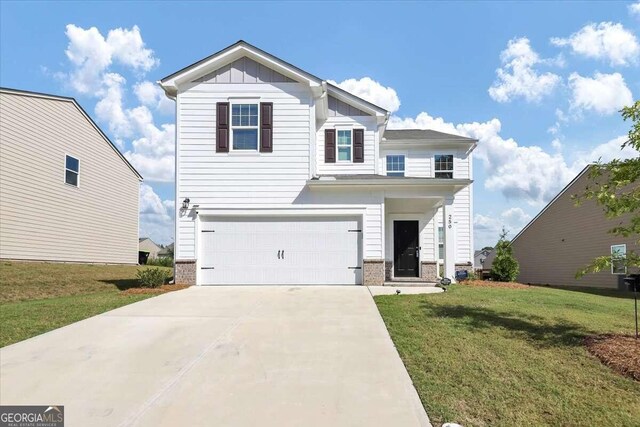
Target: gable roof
x=423, y=134
x=564, y=190
x=20, y=92
x=241, y=48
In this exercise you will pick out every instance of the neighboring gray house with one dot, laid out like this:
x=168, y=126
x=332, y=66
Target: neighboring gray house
x=148, y=246
x=66, y=193
x=564, y=237
x=167, y=251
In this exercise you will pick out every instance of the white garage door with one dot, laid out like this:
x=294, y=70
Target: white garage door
x=280, y=251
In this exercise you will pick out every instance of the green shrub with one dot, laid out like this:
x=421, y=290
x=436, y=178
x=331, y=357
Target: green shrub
x=161, y=261
x=152, y=277
x=505, y=268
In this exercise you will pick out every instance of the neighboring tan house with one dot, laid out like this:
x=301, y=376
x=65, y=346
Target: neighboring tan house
x=148, y=246
x=479, y=258
x=284, y=178
x=563, y=238
x=66, y=192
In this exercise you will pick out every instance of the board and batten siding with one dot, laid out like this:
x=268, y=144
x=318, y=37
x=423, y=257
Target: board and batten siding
x=41, y=217
x=564, y=239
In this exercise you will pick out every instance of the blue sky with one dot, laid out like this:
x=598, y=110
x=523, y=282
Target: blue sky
x=538, y=83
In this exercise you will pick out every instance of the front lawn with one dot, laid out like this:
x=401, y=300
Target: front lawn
x=514, y=357
x=38, y=297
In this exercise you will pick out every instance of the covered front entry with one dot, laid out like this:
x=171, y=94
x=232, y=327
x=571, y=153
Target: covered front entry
x=280, y=251
x=406, y=249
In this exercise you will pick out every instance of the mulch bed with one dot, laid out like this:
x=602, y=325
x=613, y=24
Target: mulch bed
x=492, y=284
x=619, y=352
x=161, y=290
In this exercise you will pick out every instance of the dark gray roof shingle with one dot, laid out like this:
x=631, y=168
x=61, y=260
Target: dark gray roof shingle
x=422, y=134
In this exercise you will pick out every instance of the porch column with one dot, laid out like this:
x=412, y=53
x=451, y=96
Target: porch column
x=449, y=244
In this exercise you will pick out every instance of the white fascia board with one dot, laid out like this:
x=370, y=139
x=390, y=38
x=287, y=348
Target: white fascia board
x=310, y=210
x=448, y=185
x=439, y=143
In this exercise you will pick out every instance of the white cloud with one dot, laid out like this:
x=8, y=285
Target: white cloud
x=91, y=54
x=488, y=227
x=634, y=9
x=605, y=41
x=151, y=147
x=604, y=93
x=372, y=91
x=151, y=95
x=517, y=78
x=156, y=216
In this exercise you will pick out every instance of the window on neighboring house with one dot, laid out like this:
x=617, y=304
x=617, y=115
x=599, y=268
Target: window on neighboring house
x=344, y=145
x=395, y=165
x=618, y=257
x=444, y=166
x=71, y=171
x=244, y=126
x=441, y=243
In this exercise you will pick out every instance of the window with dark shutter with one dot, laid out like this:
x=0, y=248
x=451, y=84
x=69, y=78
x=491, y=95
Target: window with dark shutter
x=222, y=127
x=266, y=127
x=329, y=145
x=358, y=146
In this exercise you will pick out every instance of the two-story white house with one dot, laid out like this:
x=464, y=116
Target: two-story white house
x=283, y=178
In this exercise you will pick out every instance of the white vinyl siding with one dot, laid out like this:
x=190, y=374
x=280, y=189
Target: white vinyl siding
x=369, y=125
x=42, y=217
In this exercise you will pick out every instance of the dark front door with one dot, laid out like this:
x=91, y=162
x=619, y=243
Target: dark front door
x=405, y=248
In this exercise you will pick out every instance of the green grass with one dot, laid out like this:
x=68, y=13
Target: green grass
x=38, y=297
x=513, y=357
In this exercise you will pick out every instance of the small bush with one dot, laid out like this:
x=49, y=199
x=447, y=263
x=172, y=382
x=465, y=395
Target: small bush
x=505, y=268
x=152, y=277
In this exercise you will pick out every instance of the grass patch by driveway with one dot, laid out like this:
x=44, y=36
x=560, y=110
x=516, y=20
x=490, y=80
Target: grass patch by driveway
x=38, y=297
x=489, y=356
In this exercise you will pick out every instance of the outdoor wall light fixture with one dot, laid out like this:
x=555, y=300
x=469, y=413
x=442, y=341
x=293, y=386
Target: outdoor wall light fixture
x=185, y=203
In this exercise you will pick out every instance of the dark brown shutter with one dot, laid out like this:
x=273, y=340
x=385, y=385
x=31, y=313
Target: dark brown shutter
x=358, y=146
x=222, y=127
x=266, y=127
x=329, y=145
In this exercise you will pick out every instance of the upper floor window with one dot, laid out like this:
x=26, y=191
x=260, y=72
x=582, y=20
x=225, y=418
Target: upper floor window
x=244, y=126
x=72, y=171
x=444, y=166
x=395, y=165
x=344, y=145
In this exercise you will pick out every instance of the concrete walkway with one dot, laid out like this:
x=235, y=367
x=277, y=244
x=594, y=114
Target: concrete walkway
x=222, y=356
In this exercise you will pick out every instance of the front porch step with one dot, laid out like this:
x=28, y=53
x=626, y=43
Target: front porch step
x=409, y=283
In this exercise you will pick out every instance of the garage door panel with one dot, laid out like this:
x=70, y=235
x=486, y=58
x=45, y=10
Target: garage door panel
x=312, y=251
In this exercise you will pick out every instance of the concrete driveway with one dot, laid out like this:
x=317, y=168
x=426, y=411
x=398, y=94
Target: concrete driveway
x=222, y=356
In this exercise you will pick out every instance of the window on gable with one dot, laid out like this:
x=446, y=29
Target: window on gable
x=344, y=145
x=395, y=165
x=444, y=166
x=71, y=171
x=244, y=126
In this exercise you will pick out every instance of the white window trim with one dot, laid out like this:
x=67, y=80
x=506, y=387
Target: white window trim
x=386, y=171
x=438, y=226
x=625, y=255
x=338, y=130
x=64, y=170
x=453, y=165
x=231, y=127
